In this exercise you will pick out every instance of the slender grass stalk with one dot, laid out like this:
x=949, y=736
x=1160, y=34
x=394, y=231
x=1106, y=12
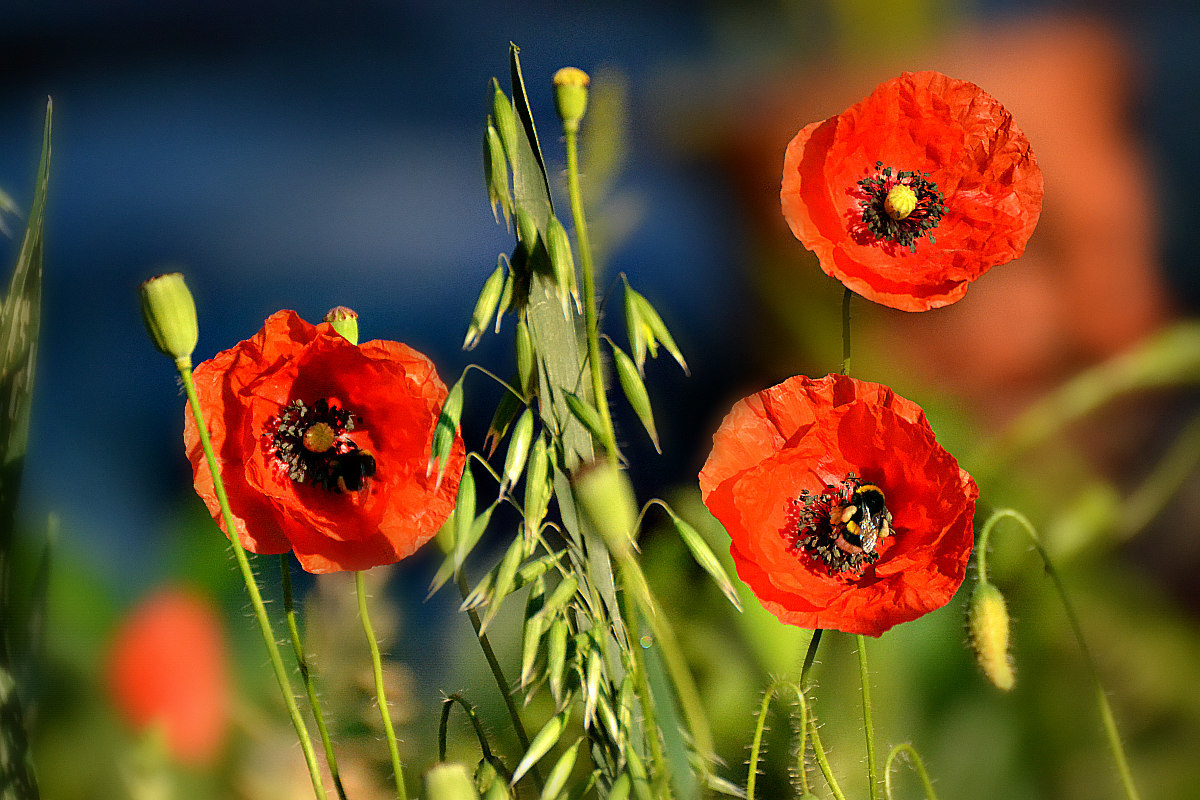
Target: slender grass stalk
x=260, y=611
x=637, y=666
x=1106, y=713
x=310, y=685
x=498, y=674
x=918, y=765
x=360, y=587
x=590, y=320
x=868, y=723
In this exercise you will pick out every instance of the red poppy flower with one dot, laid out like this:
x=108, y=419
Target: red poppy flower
x=323, y=445
x=169, y=667
x=843, y=511
x=914, y=192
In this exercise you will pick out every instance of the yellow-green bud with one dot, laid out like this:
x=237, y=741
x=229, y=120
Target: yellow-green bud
x=570, y=96
x=987, y=616
x=605, y=495
x=900, y=202
x=344, y=321
x=170, y=316
x=449, y=782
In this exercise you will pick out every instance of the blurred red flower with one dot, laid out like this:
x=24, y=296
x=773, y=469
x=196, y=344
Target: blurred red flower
x=914, y=192
x=843, y=510
x=323, y=445
x=168, y=666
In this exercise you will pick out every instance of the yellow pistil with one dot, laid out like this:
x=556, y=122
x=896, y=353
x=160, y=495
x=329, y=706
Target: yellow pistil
x=319, y=437
x=900, y=202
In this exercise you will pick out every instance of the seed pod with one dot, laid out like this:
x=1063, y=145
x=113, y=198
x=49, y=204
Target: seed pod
x=556, y=781
x=703, y=556
x=464, y=509
x=495, y=172
x=485, y=307
x=446, y=430
x=592, y=671
x=534, y=627
x=587, y=415
x=635, y=392
x=537, y=487
x=505, y=120
x=640, y=338
x=563, y=263
x=556, y=656
x=527, y=232
x=518, y=451
x=658, y=329
x=987, y=618
x=506, y=412
x=562, y=594
x=545, y=739
x=464, y=546
x=525, y=359
x=506, y=572
x=506, y=291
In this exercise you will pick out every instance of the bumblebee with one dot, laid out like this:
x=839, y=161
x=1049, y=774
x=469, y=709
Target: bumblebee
x=353, y=470
x=863, y=520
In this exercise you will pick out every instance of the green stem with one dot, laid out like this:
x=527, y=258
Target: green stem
x=865, y=676
x=1106, y=713
x=918, y=765
x=810, y=656
x=590, y=320
x=846, y=332
x=360, y=587
x=256, y=601
x=822, y=760
x=637, y=667
x=760, y=727
x=498, y=674
x=306, y=675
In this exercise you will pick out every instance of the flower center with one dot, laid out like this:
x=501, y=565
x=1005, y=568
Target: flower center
x=901, y=208
x=311, y=445
x=840, y=526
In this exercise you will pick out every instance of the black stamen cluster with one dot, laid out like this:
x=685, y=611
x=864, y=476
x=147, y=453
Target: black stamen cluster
x=284, y=436
x=815, y=526
x=931, y=207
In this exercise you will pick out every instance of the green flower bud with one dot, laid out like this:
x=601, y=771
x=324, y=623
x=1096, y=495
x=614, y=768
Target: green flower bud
x=170, y=316
x=987, y=617
x=449, y=782
x=345, y=321
x=570, y=96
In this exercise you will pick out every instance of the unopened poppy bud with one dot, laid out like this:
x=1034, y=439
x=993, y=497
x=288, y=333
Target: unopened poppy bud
x=605, y=496
x=570, y=96
x=345, y=321
x=449, y=782
x=987, y=616
x=170, y=316
x=901, y=201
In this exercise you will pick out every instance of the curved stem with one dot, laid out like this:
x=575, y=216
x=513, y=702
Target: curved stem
x=918, y=765
x=865, y=676
x=360, y=588
x=256, y=601
x=822, y=760
x=310, y=685
x=760, y=727
x=498, y=675
x=1106, y=714
x=485, y=748
x=590, y=321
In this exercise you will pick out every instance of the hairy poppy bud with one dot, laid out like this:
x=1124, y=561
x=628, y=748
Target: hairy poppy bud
x=170, y=316
x=570, y=96
x=449, y=782
x=344, y=321
x=987, y=616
